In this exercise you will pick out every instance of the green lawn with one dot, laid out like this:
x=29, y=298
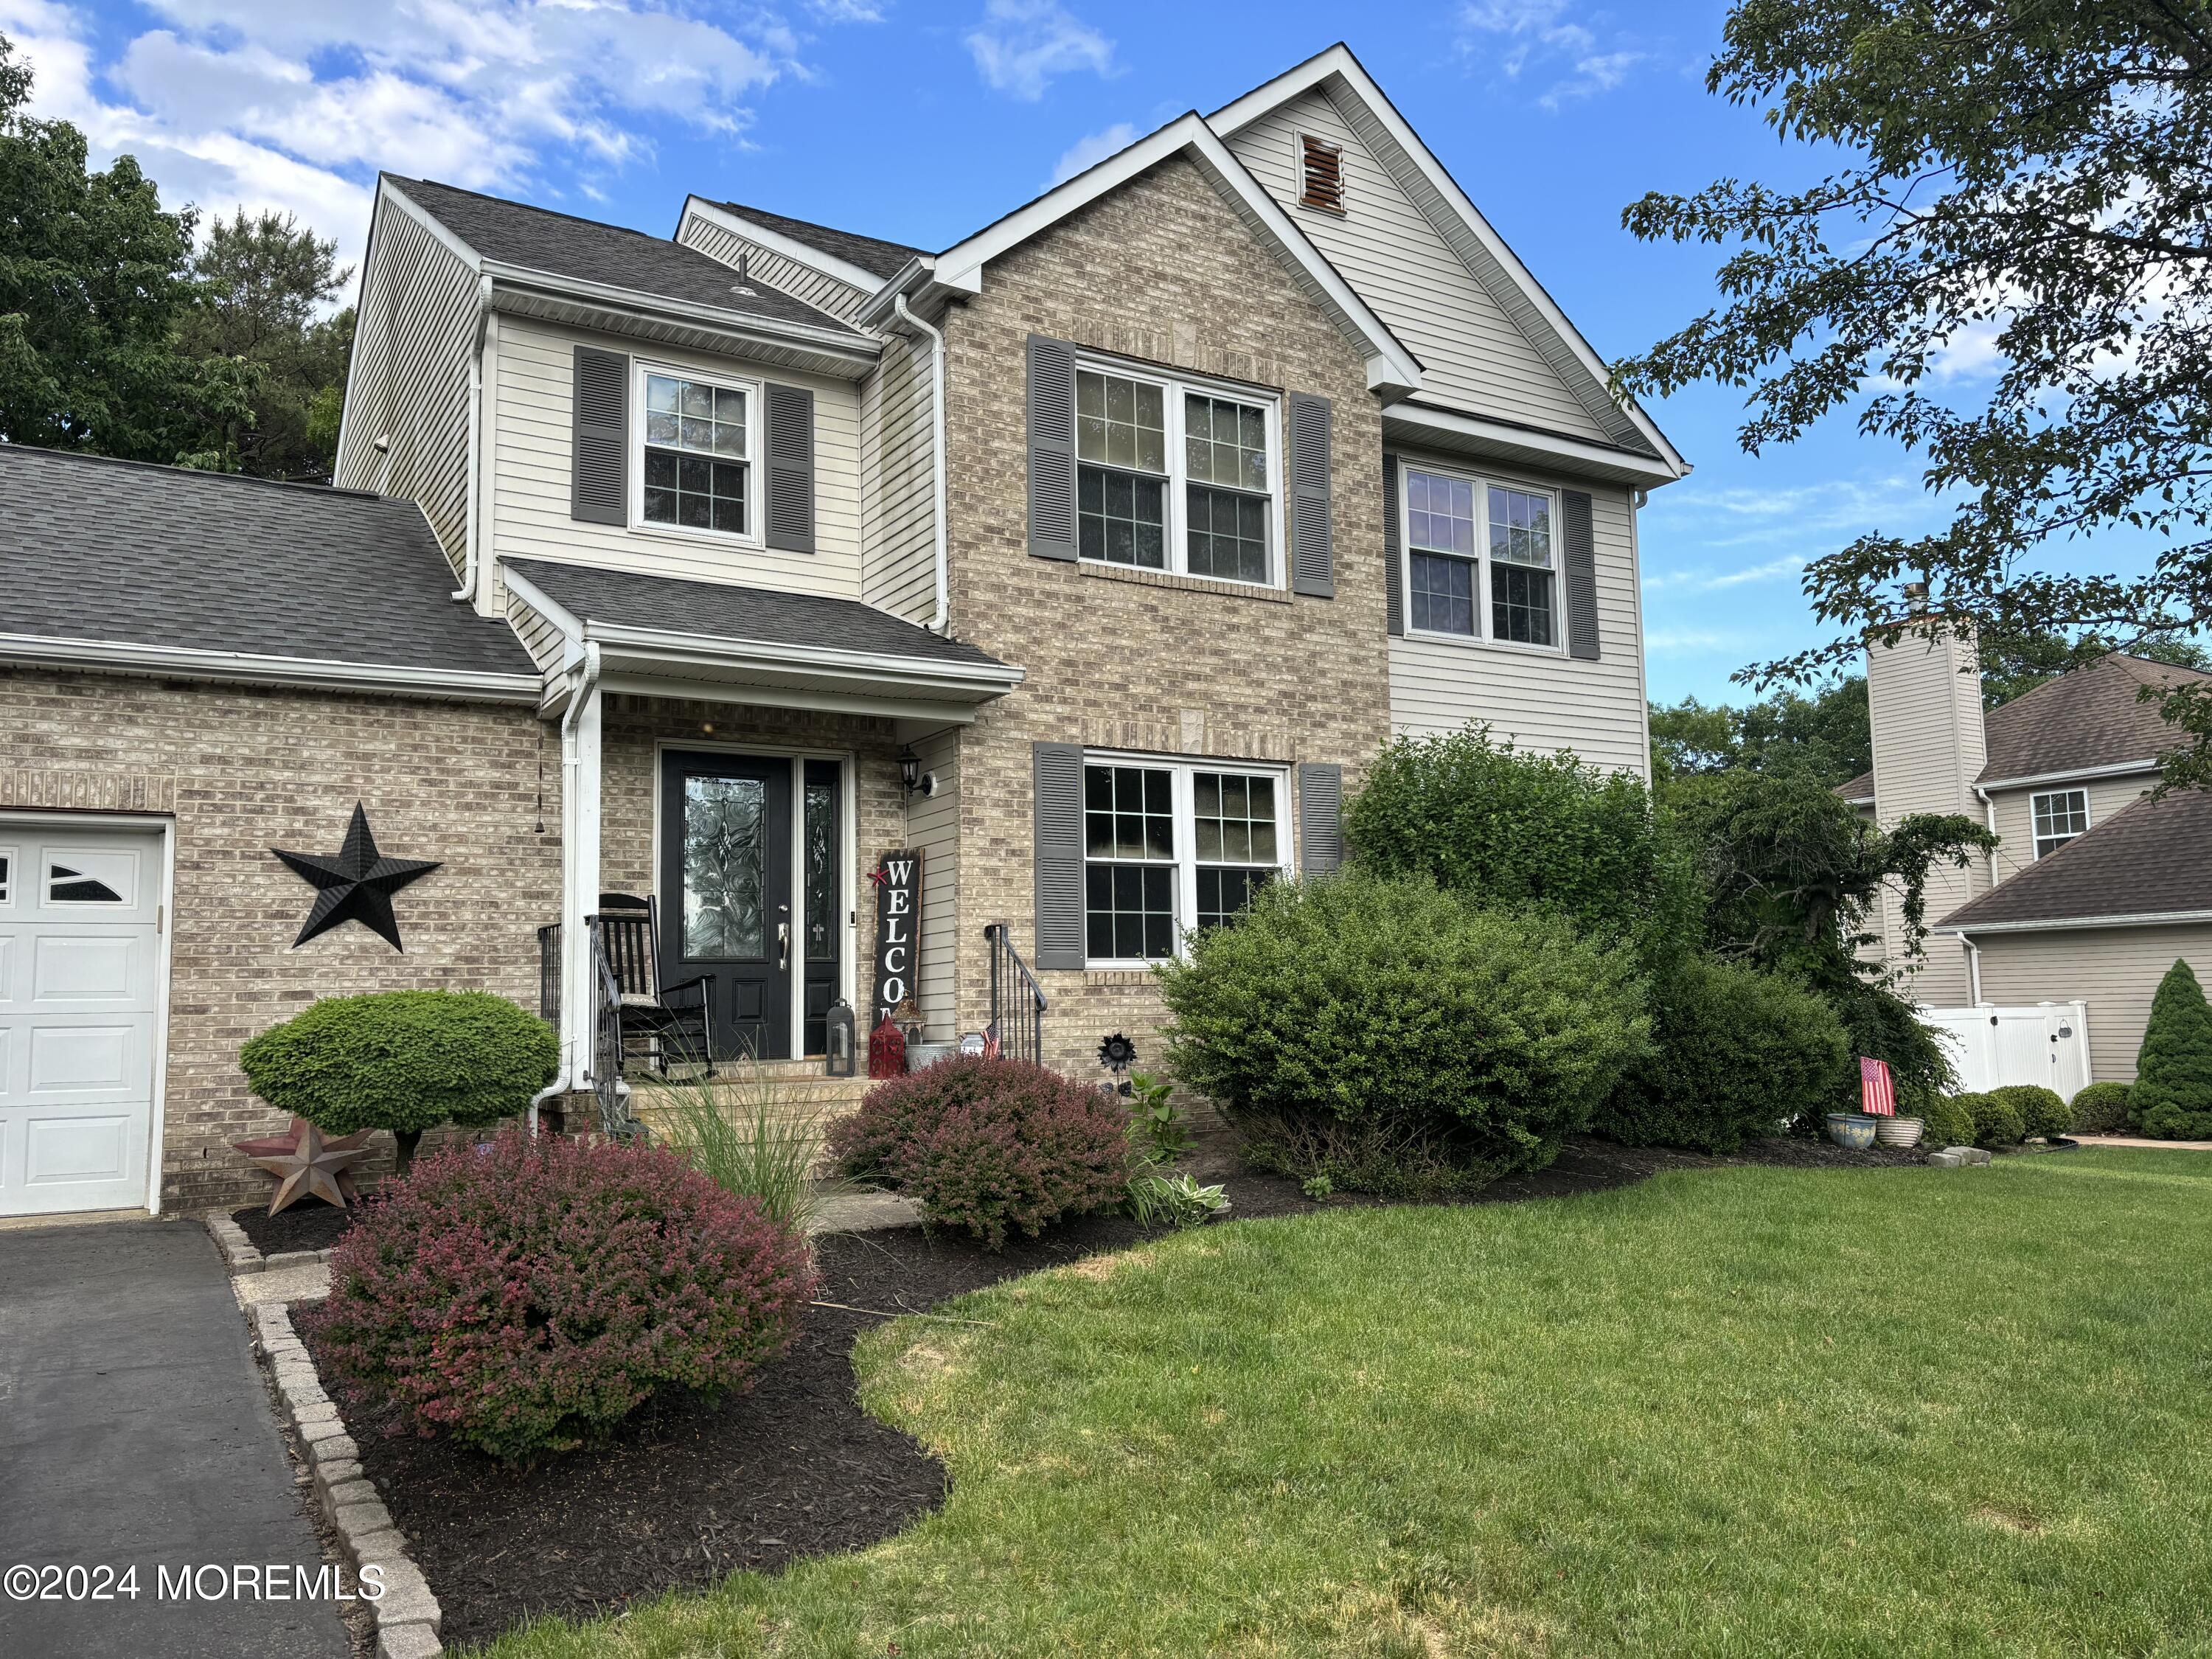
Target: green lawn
x=1752, y=1411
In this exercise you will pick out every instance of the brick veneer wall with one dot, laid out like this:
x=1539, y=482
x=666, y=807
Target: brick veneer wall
x=243, y=770
x=1161, y=270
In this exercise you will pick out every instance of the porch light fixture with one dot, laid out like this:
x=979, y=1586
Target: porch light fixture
x=909, y=770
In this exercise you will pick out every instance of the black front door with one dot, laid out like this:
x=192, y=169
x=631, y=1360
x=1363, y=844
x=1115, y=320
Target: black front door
x=725, y=862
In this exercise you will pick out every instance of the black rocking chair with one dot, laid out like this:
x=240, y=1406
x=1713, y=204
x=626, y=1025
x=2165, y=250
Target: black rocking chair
x=659, y=1023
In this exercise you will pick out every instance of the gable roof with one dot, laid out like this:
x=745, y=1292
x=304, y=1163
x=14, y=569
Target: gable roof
x=2087, y=718
x=870, y=255
x=1858, y=791
x=1425, y=181
x=608, y=256
x=2152, y=858
x=103, y=562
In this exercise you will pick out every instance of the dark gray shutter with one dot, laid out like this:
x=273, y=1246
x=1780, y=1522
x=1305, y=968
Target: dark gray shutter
x=1313, y=561
x=790, y=468
x=1393, y=558
x=1052, y=448
x=1321, y=807
x=1058, y=778
x=599, y=470
x=1581, y=559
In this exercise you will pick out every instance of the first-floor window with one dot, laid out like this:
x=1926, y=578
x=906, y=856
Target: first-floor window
x=2060, y=815
x=1172, y=847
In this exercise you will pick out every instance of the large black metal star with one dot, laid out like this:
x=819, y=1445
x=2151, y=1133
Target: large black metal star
x=356, y=885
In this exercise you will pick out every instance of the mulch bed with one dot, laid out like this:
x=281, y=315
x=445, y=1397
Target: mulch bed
x=309, y=1225
x=690, y=1491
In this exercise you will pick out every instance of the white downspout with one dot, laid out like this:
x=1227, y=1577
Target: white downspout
x=575, y=985
x=938, y=622
x=467, y=590
x=1989, y=822
x=1973, y=968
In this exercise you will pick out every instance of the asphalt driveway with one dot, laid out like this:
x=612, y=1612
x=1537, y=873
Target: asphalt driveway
x=134, y=1432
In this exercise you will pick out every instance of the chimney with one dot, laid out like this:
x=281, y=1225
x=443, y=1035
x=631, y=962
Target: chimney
x=1925, y=698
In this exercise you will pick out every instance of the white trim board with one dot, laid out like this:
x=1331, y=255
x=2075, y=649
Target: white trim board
x=2140, y=919
x=249, y=667
x=798, y=252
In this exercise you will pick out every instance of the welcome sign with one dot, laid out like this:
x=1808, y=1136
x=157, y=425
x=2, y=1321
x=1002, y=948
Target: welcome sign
x=897, y=878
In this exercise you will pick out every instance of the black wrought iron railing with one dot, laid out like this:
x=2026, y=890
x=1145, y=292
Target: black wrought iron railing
x=549, y=974
x=605, y=1061
x=1017, y=1003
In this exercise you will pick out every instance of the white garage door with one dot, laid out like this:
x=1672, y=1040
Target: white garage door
x=79, y=956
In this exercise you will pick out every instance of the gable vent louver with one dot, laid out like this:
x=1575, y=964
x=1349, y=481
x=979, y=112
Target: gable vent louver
x=1321, y=171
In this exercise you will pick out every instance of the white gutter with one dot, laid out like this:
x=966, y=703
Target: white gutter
x=744, y=325
x=2139, y=919
x=572, y=909
x=467, y=590
x=938, y=622
x=2117, y=770
x=191, y=663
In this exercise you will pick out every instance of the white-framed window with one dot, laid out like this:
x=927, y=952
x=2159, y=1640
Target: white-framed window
x=1177, y=476
x=694, y=446
x=1482, y=558
x=2059, y=816
x=7, y=875
x=1174, y=846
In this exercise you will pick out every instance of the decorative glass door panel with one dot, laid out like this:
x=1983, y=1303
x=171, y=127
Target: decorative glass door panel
x=726, y=882
x=824, y=900
x=724, y=877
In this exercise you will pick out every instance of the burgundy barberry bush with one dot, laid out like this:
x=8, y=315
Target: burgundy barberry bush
x=527, y=1296
x=986, y=1145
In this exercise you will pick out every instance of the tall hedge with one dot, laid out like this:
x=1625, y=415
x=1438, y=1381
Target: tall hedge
x=2171, y=1098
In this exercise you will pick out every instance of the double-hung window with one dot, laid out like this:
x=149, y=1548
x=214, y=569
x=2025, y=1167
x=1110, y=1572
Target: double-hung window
x=695, y=449
x=1174, y=478
x=1169, y=847
x=2060, y=815
x=1481, y=559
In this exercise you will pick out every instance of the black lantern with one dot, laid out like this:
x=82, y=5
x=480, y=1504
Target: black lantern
x=840, y=1038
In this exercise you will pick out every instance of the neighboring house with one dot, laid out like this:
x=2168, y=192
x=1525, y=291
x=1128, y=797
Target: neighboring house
x=2094, y=890
x=1092, y=558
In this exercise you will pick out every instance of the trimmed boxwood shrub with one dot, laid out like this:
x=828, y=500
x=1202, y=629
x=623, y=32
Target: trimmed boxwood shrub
x=403, y=1060
x=1391, y=1035
x=2102, y=1110
x=527, y=1296
x=2172, y=1097
x=1948, y=1121
x=1997, y=1120
x=1736, y=1054
x=987, y=1146
x=2042, y=1111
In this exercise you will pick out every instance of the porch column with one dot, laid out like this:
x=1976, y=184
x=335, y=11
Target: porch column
x=581, y=885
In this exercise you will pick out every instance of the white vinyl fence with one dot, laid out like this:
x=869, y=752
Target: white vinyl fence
x=2047, y=1043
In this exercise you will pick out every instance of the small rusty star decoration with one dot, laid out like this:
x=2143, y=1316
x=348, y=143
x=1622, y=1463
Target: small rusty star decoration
x=304, y=1162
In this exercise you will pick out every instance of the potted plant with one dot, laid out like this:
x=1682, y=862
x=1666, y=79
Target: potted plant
x=1854, y=1130
x=1899, y=1131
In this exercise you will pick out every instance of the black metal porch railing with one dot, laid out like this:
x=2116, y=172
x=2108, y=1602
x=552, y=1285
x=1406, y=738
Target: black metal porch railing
x=605, y=1061
x=1017, y=1003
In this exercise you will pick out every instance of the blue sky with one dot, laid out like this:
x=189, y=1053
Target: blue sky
x=921, y=121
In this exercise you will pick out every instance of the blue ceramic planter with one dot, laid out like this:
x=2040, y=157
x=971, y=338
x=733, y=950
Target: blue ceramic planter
x=1854, y=1130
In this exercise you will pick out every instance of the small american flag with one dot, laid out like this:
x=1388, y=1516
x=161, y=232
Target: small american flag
x=1875, y=1086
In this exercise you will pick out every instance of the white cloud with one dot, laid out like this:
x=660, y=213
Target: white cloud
x=1688, y=641
x=1747, y=517
x=1709, y=581
x=1514, y=35
x=1087, y=152
x=1022, y=45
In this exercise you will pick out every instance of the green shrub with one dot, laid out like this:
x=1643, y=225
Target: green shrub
x=403, y=1060
x=1948, y=1121
x=1399, y=1038
x=1997, y=1120
x=2171, y=1098
x=2042, y=1111
x=1737, y=1054
x=2102, y=1110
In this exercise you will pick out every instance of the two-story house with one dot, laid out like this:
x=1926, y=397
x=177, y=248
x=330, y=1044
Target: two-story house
x=1090, y=558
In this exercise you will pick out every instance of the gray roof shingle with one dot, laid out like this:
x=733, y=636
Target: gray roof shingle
x=2088, y=716
x=1858, y=788
x=538, y=238
x=872, y=254
x=2152, y=857
x=127, y=553
x=725, y=610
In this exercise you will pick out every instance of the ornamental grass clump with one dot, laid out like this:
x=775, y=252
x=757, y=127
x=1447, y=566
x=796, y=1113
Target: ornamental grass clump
x=527, y=1296
x=988, y=1146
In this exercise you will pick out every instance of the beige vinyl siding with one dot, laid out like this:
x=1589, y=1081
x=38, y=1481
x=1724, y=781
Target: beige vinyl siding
x=801, y=282
x=539, y=637
x=1540, y=699
x=897, y=483
x=932, y=828
x=409, y=377
x=2116, y=970
x=1473, y=356
x=534, y=384
x=2015, y=814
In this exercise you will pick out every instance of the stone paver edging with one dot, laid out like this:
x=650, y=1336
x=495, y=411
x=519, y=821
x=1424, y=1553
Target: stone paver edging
x=407, y=1617
x=240, y=1255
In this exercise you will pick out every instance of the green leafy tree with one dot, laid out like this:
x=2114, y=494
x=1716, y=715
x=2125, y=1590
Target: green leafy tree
x=2029, y=173
x=2171, y=1098
x=96, y=288
x=1826, y=734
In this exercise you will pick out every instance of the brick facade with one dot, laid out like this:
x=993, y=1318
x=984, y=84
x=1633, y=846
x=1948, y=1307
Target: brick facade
x=1163, y=272
x=241, y=770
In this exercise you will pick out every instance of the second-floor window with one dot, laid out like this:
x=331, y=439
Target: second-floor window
x=695, y=449
x=1481, y=559
x=2060, y=815
x=1174, y=478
